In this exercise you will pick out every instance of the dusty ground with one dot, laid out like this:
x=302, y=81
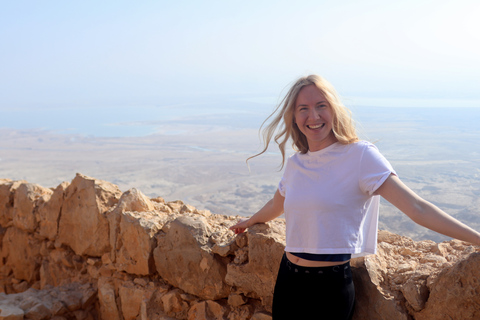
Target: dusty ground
x=206, y=167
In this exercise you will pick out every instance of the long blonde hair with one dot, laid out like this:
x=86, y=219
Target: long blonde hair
x=343, y=126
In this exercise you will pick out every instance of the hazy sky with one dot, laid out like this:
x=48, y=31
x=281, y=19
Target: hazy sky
x=154, y=52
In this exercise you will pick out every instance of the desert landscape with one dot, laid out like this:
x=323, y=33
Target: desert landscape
x=204, y=164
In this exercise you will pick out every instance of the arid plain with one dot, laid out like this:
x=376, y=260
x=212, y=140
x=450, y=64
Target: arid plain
x=205, y=165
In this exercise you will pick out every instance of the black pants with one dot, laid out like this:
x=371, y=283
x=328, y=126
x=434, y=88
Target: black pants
x=313, y=292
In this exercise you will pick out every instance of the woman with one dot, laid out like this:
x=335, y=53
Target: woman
x=330, y=195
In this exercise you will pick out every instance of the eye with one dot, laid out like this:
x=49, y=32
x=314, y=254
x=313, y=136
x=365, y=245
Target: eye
x=301, y=108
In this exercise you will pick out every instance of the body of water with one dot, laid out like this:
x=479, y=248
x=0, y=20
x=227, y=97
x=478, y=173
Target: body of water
x=123, y=121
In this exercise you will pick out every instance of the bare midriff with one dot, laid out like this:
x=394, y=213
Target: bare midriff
x=309, y=263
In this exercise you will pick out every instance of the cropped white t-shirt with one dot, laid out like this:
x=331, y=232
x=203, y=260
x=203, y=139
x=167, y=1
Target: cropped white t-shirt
x=329, y=203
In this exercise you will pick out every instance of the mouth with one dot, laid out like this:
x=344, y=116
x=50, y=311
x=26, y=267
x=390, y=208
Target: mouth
x=316, y=126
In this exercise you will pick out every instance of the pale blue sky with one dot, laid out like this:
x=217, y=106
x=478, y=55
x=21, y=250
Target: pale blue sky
x=153, y=52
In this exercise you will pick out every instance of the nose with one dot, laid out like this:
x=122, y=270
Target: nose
x=314, y=114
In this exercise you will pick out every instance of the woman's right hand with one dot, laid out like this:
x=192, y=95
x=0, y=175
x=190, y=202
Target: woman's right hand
x=240, y=226
x=271, y=210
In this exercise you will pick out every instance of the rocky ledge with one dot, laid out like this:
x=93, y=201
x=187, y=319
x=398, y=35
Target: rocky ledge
x=85, y=250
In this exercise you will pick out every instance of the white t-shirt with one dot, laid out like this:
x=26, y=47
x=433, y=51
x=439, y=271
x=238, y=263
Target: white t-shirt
x=329, y=203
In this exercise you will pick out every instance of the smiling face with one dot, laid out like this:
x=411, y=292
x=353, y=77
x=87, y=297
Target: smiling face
x=313, y=116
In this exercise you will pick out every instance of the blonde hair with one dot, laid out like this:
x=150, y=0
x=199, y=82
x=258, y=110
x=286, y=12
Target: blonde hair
x=343, y=126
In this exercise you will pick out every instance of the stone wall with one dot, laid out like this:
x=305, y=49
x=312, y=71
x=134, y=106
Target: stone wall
x=85, y=250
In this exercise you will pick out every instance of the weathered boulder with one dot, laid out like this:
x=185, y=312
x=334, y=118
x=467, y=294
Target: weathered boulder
x=183, y=257
x=134, y=200
x=395, y=283
x=165, y=302
x=24, y=204
x=107, y=299
x=254, y=269
x=9, y=312
x=21, y=251
x=49, y=212
x=83, y=225
x=133, y=226
x=136, y=241
x=372, y=302
x=133, y=298
x=207, y=310
x=62, y=266
x=74, y=301
x=456, y=292
x=7, y=195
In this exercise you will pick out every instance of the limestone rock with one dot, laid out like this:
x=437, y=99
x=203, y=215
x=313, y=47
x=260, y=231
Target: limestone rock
x=49, y=212
x=256, y=277
x=131, y=297
x=416, y=293
x=133, y=225
x=241, y=313
x=24, y=204
x=206, y=310
x=166, y=303
x=236, y=300
x=175, y=206
x=134, y=200
x=455, y=293
x=394, y=283
x=183, y=258
x=9, y=312
x=173, y=304
x=63, y=301
x=261, y=316
x=135, y=242
x=83, y=225
x=7, y=195
x=61, y=267
x=21, y=251
x=107, y=300
x=371, y=301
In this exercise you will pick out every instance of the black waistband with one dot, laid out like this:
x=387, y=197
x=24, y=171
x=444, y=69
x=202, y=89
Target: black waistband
x=294, y=268
x=322, y=257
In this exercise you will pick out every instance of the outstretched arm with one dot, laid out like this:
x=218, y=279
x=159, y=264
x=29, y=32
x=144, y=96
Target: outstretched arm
x=270, y=211
x=425, y=213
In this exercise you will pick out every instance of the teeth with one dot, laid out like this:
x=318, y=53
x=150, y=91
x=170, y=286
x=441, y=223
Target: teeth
x=316, y=126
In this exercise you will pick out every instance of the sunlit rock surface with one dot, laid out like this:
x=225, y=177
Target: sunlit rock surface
x=85, y=250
